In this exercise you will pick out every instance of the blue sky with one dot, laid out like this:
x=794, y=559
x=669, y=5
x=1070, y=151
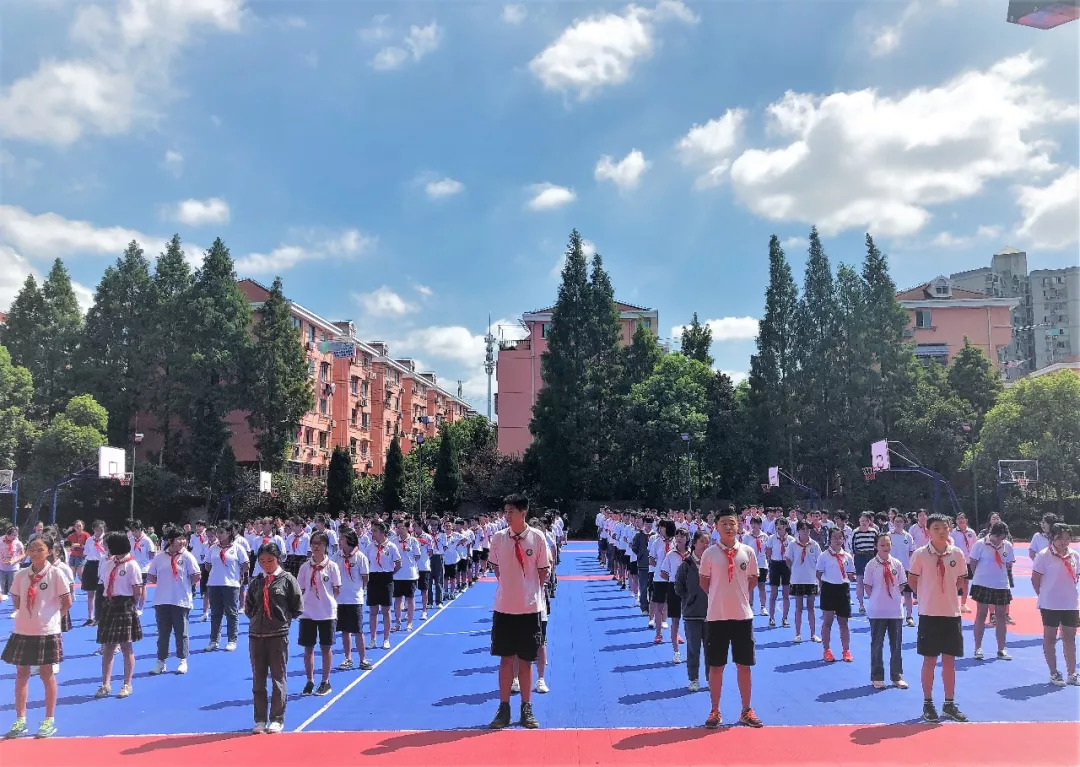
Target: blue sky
x=414, y=166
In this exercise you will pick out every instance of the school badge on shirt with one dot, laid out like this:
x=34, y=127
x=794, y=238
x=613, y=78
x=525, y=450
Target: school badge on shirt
x=528, y=552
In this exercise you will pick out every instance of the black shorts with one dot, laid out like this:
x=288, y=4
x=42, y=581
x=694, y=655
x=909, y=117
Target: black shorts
x=310, y=630
x=631, y=568
x=484, y=555
x=763, y=574
x=516, y=635
x=543, y=633
x=424, y=581
x=450, y=571
x=406, y=589
x=90, y=575
x=476, y=556
x=204, y=570
x=779, y=573
x=462, y=566
x=674, y=604
x=603, y=544
x=380, y=589
x=940, y=635
x=349, y=619
x=660, y=592
x=1051, y=619
x=836, y=598
x=736, y=634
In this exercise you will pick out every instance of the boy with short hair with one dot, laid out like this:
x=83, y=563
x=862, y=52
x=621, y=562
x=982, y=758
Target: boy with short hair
x=320, y=585
x=1054, y=578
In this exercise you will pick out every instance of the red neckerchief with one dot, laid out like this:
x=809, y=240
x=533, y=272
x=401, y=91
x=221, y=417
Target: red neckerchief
x=31, y=594
x=266, y=593
x=940, y=561
x=964, y=537
x=266, y=539
x=431, y=543
x=757, y=540
x=783, y=546
x=1066, y=559
x=378, y=552
x=667, y=546
x=839, y=557
x=346, y=561
x=315, y=570
x=997, y=553
x=175, y=568
x=886, y=568
x=730, y=554
x=202, y=539
x=221, y=550
x=296, y=541
x=804, y=547
x=518, y=551
x=97, y=545
x=138, y=542
x=117, y=563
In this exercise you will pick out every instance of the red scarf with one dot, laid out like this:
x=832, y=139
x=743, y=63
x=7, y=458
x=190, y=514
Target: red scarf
x=667, y=546
x=730, y=554
x=378, y=553
x=997, y=554
x=964, y=538
x=296, y=541
x=175, y=567
x=518, y=551
x=138, y=543
x=97, y=545
x=348, y=564
x=202, y=539
x=266, y=539
x=221, y=550
x=940, y=561
x=315, y=570
x=839, y=556
x=886, y=569
x=783, y=547
x=1066, y=559
x=31, y=594
x=266, y=593
x=117, y=563
x=804, y=547
x=757, y=540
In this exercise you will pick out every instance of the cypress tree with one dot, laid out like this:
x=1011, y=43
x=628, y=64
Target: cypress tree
x=340, y=481
x=23, y=334
x=393, y=484
x=57, y=382
x=447, y=480
x=602, y=382
x=973, y=379
x=697, y=341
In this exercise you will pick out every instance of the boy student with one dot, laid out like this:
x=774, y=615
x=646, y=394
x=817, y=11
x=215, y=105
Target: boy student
x=464, y=547
x=779, y=570
x=991, y=557
x=964, y=539
x=903, y=545
x=297, y=546
x=668, y=569
x=426, y=545
x=919, y=532
x=228, y=571
x=519, y=555
x=864, y=547
x=320, y=585
x=936, y=572
x=758, y=540
x=272, y=602
x=353, y=566
x=448, y=542
x=436, y=565
x=687, y=585
x=142, y=551
x=836, y=569
x=728, y=572
x=882, y=578
x=175, y=571
x=661, y=547
x=1054, y=578
x=11, y=553
x=406, y=577
x=384, y=560
x=118, y=622
x=95, y=552
x=802, y=558
x=640, y=544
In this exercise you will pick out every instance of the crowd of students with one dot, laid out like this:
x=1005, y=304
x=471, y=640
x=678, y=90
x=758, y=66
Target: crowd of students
x=705, y=575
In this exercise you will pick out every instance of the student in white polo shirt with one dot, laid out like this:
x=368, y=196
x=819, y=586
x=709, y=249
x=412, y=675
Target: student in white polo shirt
x=175, y=571
x=353, y=565
x=428, y=547
x=519, y=555
x=320, y=584
x=991, y=557
x=448, y=543
x=1054, y=578
x=228, y=571
x=384, y=560
x=406, y=577
x=199, y=545
x=883, y=577
x=297, y=546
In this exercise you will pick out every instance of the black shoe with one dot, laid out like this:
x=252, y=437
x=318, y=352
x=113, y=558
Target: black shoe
x=950, y=711
x=365, y=665
x=929, y=713
x=528, y=720
x=324, y=689
x=308, y=688
x=502, y=717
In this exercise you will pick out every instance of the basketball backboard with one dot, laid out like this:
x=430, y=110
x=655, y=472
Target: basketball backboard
x=112, y=462
x=265, y=482
x=879, y=455
x=774, y=476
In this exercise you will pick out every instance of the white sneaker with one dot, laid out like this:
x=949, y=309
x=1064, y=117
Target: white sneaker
x=230, y=647
x=159, y=668
x=386, y=644
x=1074, y=680
x=541, y=685
x=815, y=638
x=212, y=647
x=423, y=616
x=515, y=687
x=371, y=644
x=978, y=653
x=408, y=628
x=205, y=617
x=764, y=611
x=652, y=623
x=694, y=686
x=139, y=612
x=259, y=728
x=275, y=727
x=798, y=638
x=879, y=685
x=664, y=625
x=1056, y=679
x=678, y=657
x=182, y=668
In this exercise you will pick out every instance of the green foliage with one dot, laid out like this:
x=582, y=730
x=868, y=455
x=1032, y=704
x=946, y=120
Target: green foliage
x=393, y=479
x=340, y=481
x=70, y=442
x=17, y=431
x=22, y=333
x=60, y=336
x=447, y=481
x=932, y=421
x=697, y=341
x=973, y=379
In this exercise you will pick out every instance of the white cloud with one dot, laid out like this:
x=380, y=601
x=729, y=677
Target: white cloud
x=549, y=196
x=601, y=50
x=425, y=291
x=726, y=329
x=122, y=77
x=626, y=173
x=709, y=148
x=736, y=376
x=887, y=39
x=950, y=240
x=1050, y=213
x=349, y=243
x=444, y=187
x=383, y=302
x=14, y=270
x=212, y=210
x=418, y=43
x=173, y=162
x=862, y=160
x=45, y=236
x=514, y=14
x=794, y=242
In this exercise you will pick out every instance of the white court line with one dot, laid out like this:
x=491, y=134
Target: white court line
x=363, y=676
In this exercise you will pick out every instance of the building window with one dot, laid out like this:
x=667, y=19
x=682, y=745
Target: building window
x=324, y=372
x=922, y=318
x=311, y=368
x=941, y=290
x=309, y=435
x=352, y=416
x=364, y=389
x=545, y=330
x=352, y=447
x=324, y=406
x=365, y=420
x=297, y=324
x=354, y=386
x=322, y=439
x=311, y=334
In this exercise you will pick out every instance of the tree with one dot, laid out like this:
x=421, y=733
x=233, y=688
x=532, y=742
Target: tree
x=60, y=336
x=697, y=341
x=393, y=484
x=70, y=442
x=114, y=350
x=340, y=481
x=932, y=421
x=973, y=379
x=447, y=482
x=853, y=369
x=601, y=384
x=640, y=357
x=17, y=431
x=279, y=389
x=725, y=464
x=22, y=333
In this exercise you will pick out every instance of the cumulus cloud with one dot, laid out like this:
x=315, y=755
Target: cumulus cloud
x=709, y=148
x=444, y=187
x=1050, y=213
x=726, y=329
x=549, y=196
x=212, y=210
x=419, y=42
x=626, y=173
x=309, y=246
x=384, y=302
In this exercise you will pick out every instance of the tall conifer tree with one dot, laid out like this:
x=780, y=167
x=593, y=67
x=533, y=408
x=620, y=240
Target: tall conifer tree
x=697, y=341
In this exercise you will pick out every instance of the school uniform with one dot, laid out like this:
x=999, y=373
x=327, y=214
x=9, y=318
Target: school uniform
x=448, y=542
x=35, y=639
x=671, y=565
x=297, y=548
x=759, y=543
x=659, y=548
x=425, y=547
x=729, y=619
x=965, y=540
x=437, y=566
x=835, y=567
x=990, y=585
x=317, y=584
x=464, y=549
x=777, y=549
x=938, y=573
x=516, y=620
x=884, y=608
x=381, y=560
x=903, y=546
x=200, y=548
x=406, y=577
x=803, y=561
x=69, y=577
x=271, y=604
x=228, y=568
x=1058, y=601
x=142, y=550
x=172, y=599
x=117, y=617
x=94, y=551
x=353, y=570
x=920, y=535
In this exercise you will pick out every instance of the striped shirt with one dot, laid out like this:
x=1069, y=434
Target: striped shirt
x=864, y=541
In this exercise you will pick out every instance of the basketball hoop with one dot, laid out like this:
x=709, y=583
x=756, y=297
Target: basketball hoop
x=1022, y=483
x=123, y=479
x=765, y=487
x=869, y=473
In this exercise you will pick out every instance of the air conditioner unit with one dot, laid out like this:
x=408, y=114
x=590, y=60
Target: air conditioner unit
x=363, y=402
x=909, y=333
x=333, y=423
x=372, y=375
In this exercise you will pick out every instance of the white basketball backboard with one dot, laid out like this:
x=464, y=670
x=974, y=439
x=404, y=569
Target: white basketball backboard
x=879, y=454
x=112, y=462
x=265, y=482
x=774, y=476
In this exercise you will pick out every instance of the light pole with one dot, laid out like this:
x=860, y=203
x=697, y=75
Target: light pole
x=689, y=488
x=420, y=466
x=970, y=431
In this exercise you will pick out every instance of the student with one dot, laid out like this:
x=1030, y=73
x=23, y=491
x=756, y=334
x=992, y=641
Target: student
x=728, y=572
x=836, y=569
x=864, y=547
x=903, y=546
x=465, y=545
x=936, y=571
x=448, y=543
x=425, y=546
x=882, y=579
x=779, y=570
x=991, y=557
x=353, y=566
x=58, y=559
x=963, y=538
x=640, y=545
x=118, y=619
x=175, y=572
x=919, y=532
x=519, y=555
x=384, y=560
x=668, y=568
x=1054, y=578
x=660, y=548
x=802, y=559
x=758, y=540
x=94, y=551
x=12, y=552
x=272, y=602
x=142, y=551
x=408, y=575
x=695, y=603
x=320, y=585
x=228, y=572
x=1041, y=539
x=437, y=564
x=78, y=539
x=297, y=544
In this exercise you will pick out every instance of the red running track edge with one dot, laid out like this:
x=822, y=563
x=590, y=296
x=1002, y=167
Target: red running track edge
x=894, y=745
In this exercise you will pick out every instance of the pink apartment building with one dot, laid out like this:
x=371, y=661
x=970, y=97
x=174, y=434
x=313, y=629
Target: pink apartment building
x=517, y=371
x=940, y=316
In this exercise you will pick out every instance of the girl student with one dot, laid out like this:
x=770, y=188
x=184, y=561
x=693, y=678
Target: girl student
x=12, y=552
x=320, y=585
x=802, y=559
x=406, y=577
x=758, y=540
x=228, y=572
x=661, y=547
x=695, y=603
x=991, y=557
x=272, y=602
x=1054, y=578
x=118, y=622
x=94, y=552
x=41, y=596
x=836, y=569
x=864, y=547
x=903, y=546
x=384, y=560
x=779, y=570
x=882, y=579
x=175, y=572
x=964, y=538
x=668, y=569
x=448, y=544
x=353, y=566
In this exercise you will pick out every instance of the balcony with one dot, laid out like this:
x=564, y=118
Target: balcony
x=509, y=345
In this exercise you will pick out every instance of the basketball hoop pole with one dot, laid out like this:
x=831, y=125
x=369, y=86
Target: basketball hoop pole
x=131, y=505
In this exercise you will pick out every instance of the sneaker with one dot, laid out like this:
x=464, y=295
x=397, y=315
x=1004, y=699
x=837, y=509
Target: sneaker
x=878, y=685
x=230, y=647
x=396, y=628
x=345, y=665
x=125, y=690
x=528, y=719
x=862, y=610
x=1057, y=680
x=259, y=728
x=784, y=624
x=159, y=668
x=308, y=688
x=323, y=689
x=929, y=713
x=182, y=667
x=386, y=644
x=1009, y=620
x=423, y=616
x=815, y=638
x=18, y=729
x=910, y=622
x=88, y=623
x=47, y=728
x=664, y=625
x=502, y=717
x=680, y=640
x=901, y=684
x=798, y=638
x=693, y=686
x=1074, y=680
x=275, y=727
x=964, y=609
x=978, y=653
x=104, y=691
x=829, y=657
x=714, y=720
x=212, y=646
x=749, y=718
x=846, y=656
x=764, y=611
x=541, y=686
x=658, y=639
x=951, y=711
x=772, y=623
x=652, y=623
x=1002, y=655
x=678, y=657
x=515, y=688
x=408, y=628
x=365, y=665
x=205, y=617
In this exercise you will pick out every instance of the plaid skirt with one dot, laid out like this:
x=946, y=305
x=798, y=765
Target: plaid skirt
x=23, y=650
x=65, y=622
x=804, y=589
x=988, y=596
x=118, y=621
